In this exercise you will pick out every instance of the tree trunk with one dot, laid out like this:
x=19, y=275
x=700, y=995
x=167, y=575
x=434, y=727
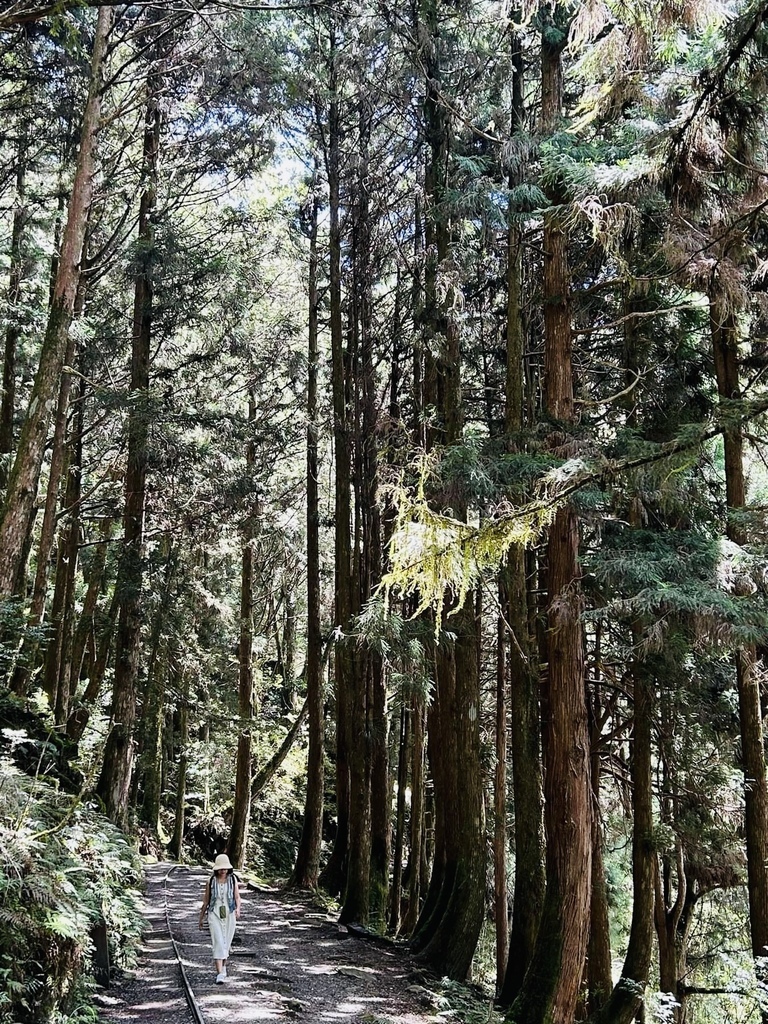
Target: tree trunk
x=673, y=923
x=154, y=710
x=57, y=469
x=500, y=896
x=115, y=780
x=334, y=875
x=307, y=866
x=551, y=986
x=627, y=996
x=396, y=892
x=13, y=330
x=152, y=727
x=85, y=622
x=450, y=922
x=416, y=878
x=266, y=773
x=598, y=967
x=525, y=724
x=447, y=934
x=177, y=843
x=725, y=341
x=95, y=672
x=65, y=683
x=25, y=474
x=371, y=553
x=366, y=664
x=238, y=836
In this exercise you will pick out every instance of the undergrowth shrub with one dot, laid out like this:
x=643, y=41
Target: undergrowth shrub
x=63, y=868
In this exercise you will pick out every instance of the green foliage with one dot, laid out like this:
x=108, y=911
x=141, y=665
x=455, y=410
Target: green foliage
x=459, y=1002
x=63, y=868
x=402, y=643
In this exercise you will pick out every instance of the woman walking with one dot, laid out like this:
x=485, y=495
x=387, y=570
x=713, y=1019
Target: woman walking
x=222, y=904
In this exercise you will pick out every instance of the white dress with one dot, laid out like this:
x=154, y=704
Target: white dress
x=222, y=928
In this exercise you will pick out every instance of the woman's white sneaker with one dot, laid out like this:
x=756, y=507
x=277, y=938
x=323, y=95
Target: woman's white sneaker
x=220, y=978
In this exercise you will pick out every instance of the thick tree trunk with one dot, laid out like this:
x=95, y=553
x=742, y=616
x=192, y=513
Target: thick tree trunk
x=725, y=341
x=115, y=780
x=334, y=875
x=238, y=836
x=447, y=935
x=55, y=474
x=525, y=723
x=307, y=866
x=451, y=919
x=371, y=554
x=551, y=986
x=25, y=474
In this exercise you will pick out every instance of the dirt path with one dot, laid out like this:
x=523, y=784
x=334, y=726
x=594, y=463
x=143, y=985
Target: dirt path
x=290, y=961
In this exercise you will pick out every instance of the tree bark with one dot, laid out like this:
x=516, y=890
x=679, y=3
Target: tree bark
x=177, y=843
x=13, y=330
x=396, y=892
x=154, y=709
x=726, y=357
x=307, y=866
x=334, y=875
x=95, y=672
x=598, y=967
x=69, y=548
x=451, y=918
x=551, y=986
x=447, y=933
x=238, y=836
x=416, y=879
x=500, y=896
x=85, y=622
x=25, y=474
x=626, y=998
x=525, y=723
x=115, y=780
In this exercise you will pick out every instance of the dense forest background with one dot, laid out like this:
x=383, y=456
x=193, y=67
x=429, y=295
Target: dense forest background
x=383, y=450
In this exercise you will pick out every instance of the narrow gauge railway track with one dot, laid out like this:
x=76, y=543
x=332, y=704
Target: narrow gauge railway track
x=256, y=988
x=189, y=994
x=290, y=964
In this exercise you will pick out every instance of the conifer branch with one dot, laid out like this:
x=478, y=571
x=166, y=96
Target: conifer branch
x=436, y=557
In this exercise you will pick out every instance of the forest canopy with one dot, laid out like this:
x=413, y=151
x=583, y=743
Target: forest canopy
x=383, y=460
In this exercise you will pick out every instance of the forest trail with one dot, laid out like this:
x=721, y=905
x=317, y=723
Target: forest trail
x=290, y=962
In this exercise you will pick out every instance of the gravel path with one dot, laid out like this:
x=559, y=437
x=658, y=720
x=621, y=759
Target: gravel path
x=289, y=962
